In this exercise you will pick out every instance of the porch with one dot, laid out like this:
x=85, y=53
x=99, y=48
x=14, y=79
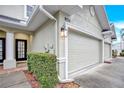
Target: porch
x=14, y=46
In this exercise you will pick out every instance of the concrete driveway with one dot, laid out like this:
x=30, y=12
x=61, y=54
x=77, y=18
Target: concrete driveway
x=104, y=76
x=14, y=80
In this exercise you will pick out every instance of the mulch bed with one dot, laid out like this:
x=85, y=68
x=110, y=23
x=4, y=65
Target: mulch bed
x=35, y=84
x=32, y=79
x=68, y=85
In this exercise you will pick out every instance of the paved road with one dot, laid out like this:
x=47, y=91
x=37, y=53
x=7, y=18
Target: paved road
x=14, y=80
x=104, y=76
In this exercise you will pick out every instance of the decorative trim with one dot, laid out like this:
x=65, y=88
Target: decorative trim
x=61, y=60
x=65, y=80
x=79, y=29
x=82, y=70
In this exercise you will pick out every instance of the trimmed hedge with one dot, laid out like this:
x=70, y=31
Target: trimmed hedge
x=43, y=65
x=114, y=53
x=122, y=54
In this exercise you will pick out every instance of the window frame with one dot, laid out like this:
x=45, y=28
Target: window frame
x=25, y=11
x=3, y=49
x=25, y=50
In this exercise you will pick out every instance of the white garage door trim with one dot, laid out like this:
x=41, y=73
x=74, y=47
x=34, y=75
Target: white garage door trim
x=96, y=43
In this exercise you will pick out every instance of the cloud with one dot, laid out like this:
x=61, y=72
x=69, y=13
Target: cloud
x=119, y=25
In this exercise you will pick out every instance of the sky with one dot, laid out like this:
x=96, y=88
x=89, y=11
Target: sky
x=115, y=15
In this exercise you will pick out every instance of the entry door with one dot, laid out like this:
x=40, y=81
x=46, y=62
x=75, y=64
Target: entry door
x=21, y=50
x=2, y=49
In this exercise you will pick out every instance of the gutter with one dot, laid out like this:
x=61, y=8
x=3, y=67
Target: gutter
x=53, y=18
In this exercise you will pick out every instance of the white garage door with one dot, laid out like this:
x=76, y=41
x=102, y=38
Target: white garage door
x=83, y=51
x=107, y=51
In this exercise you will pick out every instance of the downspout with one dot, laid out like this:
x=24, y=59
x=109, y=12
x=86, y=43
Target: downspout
x=56, y=27
x=52, y=18
x=56, y=35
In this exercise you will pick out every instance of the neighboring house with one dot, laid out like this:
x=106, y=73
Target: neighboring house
x=80, y=36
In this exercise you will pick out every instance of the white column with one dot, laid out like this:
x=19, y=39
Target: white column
x=66, y=55
x=103, y=50
x=9, y=62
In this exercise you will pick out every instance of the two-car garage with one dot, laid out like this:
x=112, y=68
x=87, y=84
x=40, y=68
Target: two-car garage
x=83, y=51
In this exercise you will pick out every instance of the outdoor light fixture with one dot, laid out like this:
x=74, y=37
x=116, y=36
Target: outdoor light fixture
x=63, y=31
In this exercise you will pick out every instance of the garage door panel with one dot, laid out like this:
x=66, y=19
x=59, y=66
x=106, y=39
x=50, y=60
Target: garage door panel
x=83, y=51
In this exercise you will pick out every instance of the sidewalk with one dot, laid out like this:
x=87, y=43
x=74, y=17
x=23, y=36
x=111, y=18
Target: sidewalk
x=14, y=80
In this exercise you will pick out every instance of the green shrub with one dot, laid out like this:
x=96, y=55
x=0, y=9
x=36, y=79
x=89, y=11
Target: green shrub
x=122, y=51
x=43, y=65
x=114, y=53
x=122, y=54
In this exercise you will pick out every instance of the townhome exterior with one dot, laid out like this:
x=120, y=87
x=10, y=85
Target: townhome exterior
x=80, y=36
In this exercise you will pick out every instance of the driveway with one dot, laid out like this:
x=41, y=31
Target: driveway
x=14, y=80
x=104, y=76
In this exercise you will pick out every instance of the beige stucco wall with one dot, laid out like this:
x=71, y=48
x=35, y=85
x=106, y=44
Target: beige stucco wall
x=2, y=34
x=15, y=11
x=44, y=37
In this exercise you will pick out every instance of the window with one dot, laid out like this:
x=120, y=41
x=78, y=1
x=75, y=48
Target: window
x=2, y=49
x=21, y=49
x=28, y=10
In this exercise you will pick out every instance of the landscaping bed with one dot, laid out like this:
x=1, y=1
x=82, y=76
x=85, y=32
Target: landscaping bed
x=32, y=79
x=68, y=85
x=35, y=84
